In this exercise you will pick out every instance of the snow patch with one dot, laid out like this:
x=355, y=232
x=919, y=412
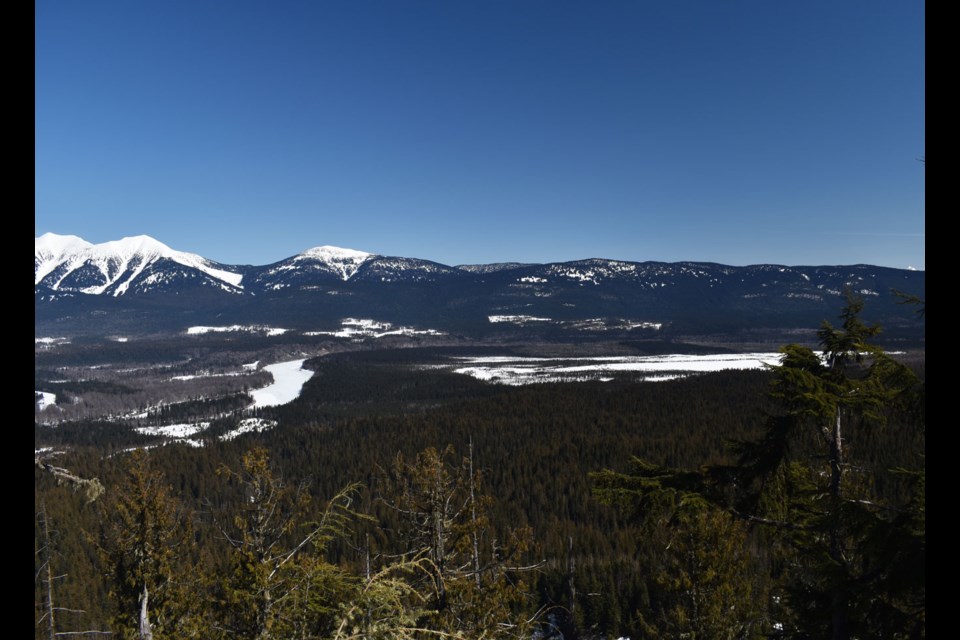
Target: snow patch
x=249, y=425
x=183, y=430
x=207, y=374
x=289, y=378
x=608, y=324
x=512, y=370
x=367, y=328
x=517, y=319
x=256, y=328
x=46, y=399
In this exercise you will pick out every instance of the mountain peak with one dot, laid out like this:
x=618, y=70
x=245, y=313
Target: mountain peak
x=343, y=261
x=143, y=245
x=113, y=265
x=336, y=253
x=50, y=244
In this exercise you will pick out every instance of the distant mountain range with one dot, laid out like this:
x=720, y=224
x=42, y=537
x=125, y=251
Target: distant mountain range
x=139, y=284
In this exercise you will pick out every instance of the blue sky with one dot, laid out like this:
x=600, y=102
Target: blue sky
x=470, y=131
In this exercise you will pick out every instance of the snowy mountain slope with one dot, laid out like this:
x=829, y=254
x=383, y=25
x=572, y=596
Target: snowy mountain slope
x=494, y=267
x=50, y=250
x=316, y=266
x=89, y=286
x=328, y=266
x=140, y=263
x=395, y=269
x=344, y=261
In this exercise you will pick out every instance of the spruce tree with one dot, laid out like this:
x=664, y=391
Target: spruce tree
x=474, y=585
x=146, y=536
x=281, y=586
x=836, y=542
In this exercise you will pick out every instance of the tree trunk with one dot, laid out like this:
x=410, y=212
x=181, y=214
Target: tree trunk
x=473, y=513
x=145, y=632
x=48, y=605
x=263, y=615
x=839, y=618
x=571, y=566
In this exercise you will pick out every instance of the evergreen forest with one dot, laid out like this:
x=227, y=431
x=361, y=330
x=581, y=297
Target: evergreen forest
x=394, y=501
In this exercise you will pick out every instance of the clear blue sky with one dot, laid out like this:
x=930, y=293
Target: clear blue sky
x=469, y=131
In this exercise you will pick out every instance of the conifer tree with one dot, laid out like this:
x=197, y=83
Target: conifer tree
x=838, y=544
x=280, y=585
x=145, y=538
x=475, y=584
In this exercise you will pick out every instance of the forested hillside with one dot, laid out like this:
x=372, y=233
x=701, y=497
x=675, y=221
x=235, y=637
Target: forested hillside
x=393, y=501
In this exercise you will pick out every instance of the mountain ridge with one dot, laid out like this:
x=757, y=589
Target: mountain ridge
x=139, y=283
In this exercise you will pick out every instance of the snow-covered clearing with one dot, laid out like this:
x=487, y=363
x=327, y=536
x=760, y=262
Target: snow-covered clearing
x=184, y=430
x=516, y=319
x=183, y=433
x=207, y=374
x=366, y=328
x=255, y=328
x=288, y=380
x=520, y=370
x=589, y=324
x=47, y=399
x=249, y=425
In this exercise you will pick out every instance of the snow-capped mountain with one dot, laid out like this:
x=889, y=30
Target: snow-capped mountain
x=326, y=265
x=138, y=264
x=314, y=266
x=344, y=261
x=81, y=285
x=50, y=250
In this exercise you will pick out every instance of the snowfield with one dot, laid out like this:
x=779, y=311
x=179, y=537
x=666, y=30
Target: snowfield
x=247, y=370
x=270, y=331
x=366, y=328
x=182, y=433
x=589, y=324
x=289, y=379
x=521, y=370
x=174, y=430
x=47, y=400
x=516, y=319
x=249, y=425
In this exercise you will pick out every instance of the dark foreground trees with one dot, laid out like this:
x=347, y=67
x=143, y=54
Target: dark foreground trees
x=843, y=534
x=146, y=540
x=280, y=584
x=474, y=581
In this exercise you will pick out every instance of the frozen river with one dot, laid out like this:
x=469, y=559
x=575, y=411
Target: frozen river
x=288, y=380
